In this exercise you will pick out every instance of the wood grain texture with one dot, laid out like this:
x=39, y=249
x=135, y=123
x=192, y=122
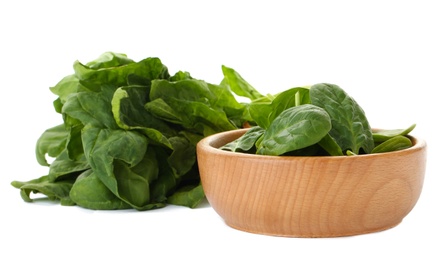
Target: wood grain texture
x=310, y=196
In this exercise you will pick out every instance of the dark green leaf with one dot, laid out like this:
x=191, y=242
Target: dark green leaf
x=130, y=114
x=189, y=196
x=246, y=142
x=52, y=190
x=395, y=143
x=91, y=108
x=89, y=192
x=350, y=127
x=107, y=149
x=263, y=113
x=226, y=101
x=64, y=168
x=192, y=102
x=330, y=146
x=95, y=78
x=295, y=128
x=163, y=111
x=183, y=157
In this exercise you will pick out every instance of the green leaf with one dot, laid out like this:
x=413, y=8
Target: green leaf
x=383, y=135
x=166, y=182
x=350, y=127
x=163, y=111
x=89, y=192
x=246, y=142
x=74, y=145
x=91, y=108
x=65, y=168
x=189, y=196
x=238, y=84
x=52, y=142
x=109, y=60
x=67, y=86
x=53, y=190
x=183, y=157
x=95, y=77
x=295, y=128
x=395, y=143
x=226, y=101
x=128, y=107
x=263, y=113
x=106, y=150
x=180, y=75
x=192, y=101
x=330, y=146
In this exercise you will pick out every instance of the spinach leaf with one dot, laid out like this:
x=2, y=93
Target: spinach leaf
x=67, y=86
x=52, y=142
x=189, y=196
x=183, y=156
x=295, y=128
x=350, y=127
x=235, y=111
x=398, y=142
x=116, y=73
x=238, y=84
x=64, y=168
x=246, y=142
x=383, y=135
x=89, y=192
x=90, y=108
x=330, y=145
x=163, y=111
x=128, y=107
x=107, y=150
x=109, y=60
x=263, y=113
x=53, y=191
x=194, y=103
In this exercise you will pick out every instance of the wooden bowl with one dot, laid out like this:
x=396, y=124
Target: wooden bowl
x=310, y=196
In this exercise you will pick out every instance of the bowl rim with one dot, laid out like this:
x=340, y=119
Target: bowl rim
x=206, y=144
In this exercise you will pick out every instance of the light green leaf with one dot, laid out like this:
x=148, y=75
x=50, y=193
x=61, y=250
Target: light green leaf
x=238, y=84
x=383, y=135
x=52, y=142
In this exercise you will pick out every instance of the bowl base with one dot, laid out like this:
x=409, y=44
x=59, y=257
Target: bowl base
x=306, y=235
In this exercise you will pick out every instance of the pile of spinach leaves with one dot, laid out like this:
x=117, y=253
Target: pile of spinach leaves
x=318, y=120
x=129, y=134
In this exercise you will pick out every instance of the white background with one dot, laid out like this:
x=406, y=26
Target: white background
x=388, y=55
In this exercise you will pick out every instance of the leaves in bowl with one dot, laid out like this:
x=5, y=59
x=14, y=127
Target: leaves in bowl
x=318, y=120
